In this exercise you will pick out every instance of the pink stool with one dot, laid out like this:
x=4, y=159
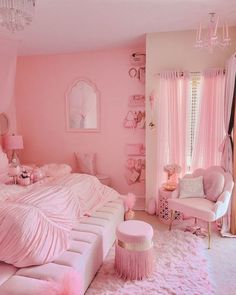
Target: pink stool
x=134, y=257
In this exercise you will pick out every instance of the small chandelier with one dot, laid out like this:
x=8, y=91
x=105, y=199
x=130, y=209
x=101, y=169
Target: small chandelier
x=16, y=14
x=211, y=38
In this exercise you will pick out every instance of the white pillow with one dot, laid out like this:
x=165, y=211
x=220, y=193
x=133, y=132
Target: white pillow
x=56, y=170
x=191, y=187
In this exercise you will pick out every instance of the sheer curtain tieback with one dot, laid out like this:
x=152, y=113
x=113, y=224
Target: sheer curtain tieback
x=227, y=139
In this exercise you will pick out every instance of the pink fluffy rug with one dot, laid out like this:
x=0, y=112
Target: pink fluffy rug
x=180, y=269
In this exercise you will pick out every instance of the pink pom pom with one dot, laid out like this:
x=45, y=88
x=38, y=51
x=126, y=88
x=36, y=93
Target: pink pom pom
x=129, y=201
x=69, y=285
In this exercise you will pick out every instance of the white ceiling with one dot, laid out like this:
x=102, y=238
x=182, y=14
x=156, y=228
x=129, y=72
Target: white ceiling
x=64, y=26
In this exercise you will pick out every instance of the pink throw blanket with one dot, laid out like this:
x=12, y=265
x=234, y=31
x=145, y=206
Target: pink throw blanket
x=35, y=226
x=90, y=192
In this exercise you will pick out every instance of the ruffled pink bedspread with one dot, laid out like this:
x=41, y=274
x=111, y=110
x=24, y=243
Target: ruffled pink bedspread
x=35, y=225
x=88, y=189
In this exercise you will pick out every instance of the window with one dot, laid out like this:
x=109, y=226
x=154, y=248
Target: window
x=193, y=113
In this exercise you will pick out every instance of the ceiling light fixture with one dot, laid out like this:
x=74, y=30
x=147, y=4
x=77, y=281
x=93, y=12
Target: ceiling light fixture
x=16, y=14
x=210, y=37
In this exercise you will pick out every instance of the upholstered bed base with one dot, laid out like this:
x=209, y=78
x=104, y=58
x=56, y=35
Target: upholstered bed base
x=91, y=240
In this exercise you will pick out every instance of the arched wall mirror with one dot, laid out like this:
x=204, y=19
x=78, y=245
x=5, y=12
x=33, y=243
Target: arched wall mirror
x=4, y=124
x=83, y=107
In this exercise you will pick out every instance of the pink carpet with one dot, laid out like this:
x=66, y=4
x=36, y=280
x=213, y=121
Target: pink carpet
x=180, y=269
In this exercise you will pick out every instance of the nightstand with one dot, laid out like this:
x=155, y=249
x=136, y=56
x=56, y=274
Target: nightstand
x=104, y=179
x=164, y=213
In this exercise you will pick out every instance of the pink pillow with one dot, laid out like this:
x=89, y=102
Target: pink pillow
x=191, y=187
x=86, y=163
x=213, y=185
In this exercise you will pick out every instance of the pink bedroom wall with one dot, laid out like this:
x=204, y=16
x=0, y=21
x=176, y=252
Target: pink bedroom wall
x=8, y=56
x=41, y=84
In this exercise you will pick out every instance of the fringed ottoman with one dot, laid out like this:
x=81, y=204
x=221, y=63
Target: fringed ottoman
x=134, y=257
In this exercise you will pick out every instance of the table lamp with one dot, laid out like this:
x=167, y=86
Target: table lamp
x=13, y=143
x=14, y=170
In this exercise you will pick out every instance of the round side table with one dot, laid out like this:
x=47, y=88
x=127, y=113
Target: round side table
x=134, y=257
x=164, y=213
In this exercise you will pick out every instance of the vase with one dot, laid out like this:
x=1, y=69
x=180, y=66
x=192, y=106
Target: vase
x=173, y=178
x=129, y=214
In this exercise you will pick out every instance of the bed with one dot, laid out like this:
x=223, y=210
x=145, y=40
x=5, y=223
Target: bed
x=90, y=236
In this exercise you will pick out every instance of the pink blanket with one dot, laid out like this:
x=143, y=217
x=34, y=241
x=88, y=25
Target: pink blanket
x=90, y=192
x=35, y=226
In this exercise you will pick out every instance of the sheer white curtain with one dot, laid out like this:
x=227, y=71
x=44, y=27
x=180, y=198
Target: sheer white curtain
x=210, y=126
x=172, y=100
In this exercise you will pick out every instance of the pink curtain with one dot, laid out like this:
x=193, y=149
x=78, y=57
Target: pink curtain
x=226, y=147
x=210, y=126
x=8, y=55
x=172, y=103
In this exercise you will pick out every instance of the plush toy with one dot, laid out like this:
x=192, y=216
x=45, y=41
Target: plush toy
x=24, y=177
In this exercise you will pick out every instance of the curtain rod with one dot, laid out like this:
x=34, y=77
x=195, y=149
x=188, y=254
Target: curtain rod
x=181, y=72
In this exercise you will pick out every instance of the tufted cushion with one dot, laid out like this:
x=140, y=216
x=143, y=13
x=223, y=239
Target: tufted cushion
x=213, y=185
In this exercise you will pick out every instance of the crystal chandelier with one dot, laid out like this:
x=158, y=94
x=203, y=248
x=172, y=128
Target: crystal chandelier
x=211, y=37
x=16, y=14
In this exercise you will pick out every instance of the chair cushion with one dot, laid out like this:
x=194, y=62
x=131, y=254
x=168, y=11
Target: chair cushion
x=197, y=207
x=191, y=187
x=213, y=185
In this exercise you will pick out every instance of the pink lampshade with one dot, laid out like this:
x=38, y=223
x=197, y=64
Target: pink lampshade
x=13, y=142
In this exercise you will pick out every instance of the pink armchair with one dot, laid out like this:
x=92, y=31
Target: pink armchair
x=217, y=190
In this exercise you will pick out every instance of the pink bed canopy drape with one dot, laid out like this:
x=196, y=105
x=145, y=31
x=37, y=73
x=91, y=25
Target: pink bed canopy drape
x=8, y=55
x=210, y=127
x=172, y=100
